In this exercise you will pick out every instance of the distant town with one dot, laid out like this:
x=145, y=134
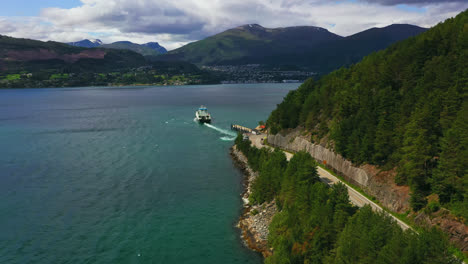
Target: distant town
x=257, y=73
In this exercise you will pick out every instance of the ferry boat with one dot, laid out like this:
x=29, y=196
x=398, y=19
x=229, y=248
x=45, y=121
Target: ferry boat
x=202, y=115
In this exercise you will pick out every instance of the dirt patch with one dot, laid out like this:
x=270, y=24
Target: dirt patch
x=458, y=232
x=382, y=185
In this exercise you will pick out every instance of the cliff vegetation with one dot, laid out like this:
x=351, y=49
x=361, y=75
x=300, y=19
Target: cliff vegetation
x=318, y=224
x=404, y=107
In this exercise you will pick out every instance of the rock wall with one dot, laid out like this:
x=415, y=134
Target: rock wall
x=448, y=223
x=378, y=184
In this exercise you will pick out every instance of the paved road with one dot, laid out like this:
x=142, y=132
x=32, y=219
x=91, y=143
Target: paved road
x=354, y=196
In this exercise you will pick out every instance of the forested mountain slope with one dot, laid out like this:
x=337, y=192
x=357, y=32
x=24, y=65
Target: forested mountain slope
x=250, y=44
x=307, y=47
x=18, y=54
x=403, y=107
x=143, y=49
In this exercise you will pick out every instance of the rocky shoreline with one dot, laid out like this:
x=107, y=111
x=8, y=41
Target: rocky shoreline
x=255, y=219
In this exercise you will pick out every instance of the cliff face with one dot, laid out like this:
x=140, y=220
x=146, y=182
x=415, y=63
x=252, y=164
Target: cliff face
x=378, y=184
x=449, y=224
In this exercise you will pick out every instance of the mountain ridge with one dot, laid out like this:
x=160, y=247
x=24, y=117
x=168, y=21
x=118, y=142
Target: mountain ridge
x=251, y=40
x=305, y=46
x=18, y=54
x=86, y=43
x=146, y=49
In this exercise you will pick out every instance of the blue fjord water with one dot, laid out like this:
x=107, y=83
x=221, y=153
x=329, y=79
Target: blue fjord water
x=124, y=175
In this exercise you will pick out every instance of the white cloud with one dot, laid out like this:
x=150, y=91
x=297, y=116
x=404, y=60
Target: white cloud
x=174, y=23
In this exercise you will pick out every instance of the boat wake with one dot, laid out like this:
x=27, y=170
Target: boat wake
x=230, y=135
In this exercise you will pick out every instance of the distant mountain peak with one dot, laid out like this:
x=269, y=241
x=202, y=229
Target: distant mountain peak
x=86, y=43
x=251, y=26
x=123, y=42
x=150, y=48
x=393, y=32
x=254, y=26
x=97, y=41
x=312, y=47
x=156, y=46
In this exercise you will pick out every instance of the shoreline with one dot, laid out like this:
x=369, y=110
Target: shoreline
x=108, y=86
x=254, y=220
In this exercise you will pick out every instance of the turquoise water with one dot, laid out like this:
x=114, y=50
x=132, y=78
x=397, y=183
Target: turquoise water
x=124, y=175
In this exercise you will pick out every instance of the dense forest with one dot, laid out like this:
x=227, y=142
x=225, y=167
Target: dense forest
x=404, y=107
x=317, y=224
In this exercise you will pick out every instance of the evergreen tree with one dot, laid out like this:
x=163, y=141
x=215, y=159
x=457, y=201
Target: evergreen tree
x=395, y=108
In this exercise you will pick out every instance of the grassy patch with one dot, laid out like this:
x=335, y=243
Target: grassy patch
x=459, y=254
x=12, y=77
x=59, y=76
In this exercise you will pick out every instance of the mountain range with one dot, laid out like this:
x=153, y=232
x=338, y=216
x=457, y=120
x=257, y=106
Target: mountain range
x=147, y=49
x=305, y=47
x=17, y=55
x=310, y=47
x=86, y=43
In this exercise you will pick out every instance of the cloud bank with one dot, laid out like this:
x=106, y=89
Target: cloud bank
x=174, y=23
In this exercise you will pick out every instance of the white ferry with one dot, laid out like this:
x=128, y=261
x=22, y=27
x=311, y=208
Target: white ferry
x=202, y=115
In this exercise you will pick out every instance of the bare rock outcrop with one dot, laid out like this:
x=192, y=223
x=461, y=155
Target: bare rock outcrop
x=255, y=219
x=254, y=224
x=449, y=224
x=379, y=184
x=375, y=182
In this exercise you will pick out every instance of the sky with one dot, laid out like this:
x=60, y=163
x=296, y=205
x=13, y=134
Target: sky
x=174, y=23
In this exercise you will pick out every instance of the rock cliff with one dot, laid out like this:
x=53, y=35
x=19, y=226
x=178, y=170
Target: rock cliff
x=379, y=184
x=373, y=181
x=448, y=223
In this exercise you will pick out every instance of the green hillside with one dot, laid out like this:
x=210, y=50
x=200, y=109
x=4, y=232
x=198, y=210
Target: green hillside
x=32, y=63
x=403, y=107
x=18, y=55
x=249, y=44
x=350, y=50
x=312, y=48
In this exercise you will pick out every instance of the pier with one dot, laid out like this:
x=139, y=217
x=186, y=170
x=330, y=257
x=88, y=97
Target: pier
x=242, y=129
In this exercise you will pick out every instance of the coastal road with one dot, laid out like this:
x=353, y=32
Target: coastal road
x=354, y=196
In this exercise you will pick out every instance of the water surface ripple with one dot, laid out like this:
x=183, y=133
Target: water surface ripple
x=124, y=175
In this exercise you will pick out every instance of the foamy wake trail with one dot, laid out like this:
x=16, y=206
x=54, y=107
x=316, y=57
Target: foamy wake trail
x=232, y=135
